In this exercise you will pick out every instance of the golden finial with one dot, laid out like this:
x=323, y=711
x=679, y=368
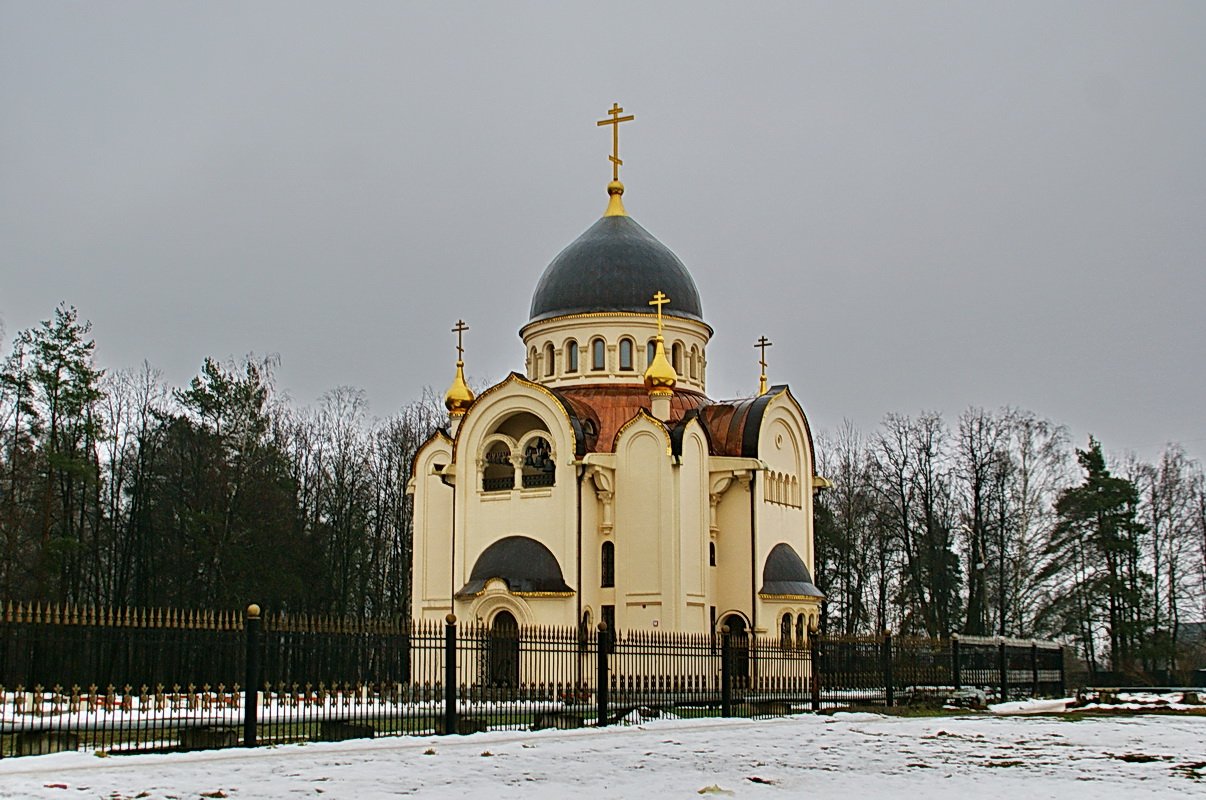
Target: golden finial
x=615, y=189
x=660, y=377
x=762, y=344
x=459, y=396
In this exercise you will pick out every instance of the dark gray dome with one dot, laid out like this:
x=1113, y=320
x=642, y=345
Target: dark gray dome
x=785, y=574
x=525, y=564
x=616, y=265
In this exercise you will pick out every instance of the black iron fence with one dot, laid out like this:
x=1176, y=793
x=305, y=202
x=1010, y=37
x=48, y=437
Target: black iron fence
x=154, y=680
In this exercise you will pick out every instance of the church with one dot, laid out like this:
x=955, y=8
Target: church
x=603, y=484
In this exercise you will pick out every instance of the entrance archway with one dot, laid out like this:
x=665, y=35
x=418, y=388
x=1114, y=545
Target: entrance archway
x=504, y=650
x=739, y=649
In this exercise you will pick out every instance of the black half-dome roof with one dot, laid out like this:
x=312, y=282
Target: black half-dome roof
x=616, y=265
x=785, y=574
x=527, y=566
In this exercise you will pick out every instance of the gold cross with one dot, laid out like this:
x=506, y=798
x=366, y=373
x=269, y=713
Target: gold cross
x=614, y=122
x=459, y=330
x=762, y=344
x=659, y=300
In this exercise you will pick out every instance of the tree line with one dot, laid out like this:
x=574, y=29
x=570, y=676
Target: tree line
x=995, y=525
x=117, y=489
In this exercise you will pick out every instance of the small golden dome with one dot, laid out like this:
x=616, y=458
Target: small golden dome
x=459, y=396
x=615, y=206
x=660, y=377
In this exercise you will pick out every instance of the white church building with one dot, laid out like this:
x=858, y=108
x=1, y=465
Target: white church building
x=603, y=483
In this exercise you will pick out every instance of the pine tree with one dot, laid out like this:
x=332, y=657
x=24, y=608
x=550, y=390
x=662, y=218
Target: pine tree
x=1095, y=548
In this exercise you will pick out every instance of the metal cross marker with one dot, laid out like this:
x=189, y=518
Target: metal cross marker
x=614, y=122
x=459, y=330
x=762, y=344
x=659, y=300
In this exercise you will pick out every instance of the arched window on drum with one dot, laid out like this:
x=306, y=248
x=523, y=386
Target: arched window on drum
x=571, y=356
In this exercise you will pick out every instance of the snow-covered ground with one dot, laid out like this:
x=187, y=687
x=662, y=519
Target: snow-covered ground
x=845, y=756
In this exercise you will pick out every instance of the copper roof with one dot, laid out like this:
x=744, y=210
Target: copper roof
x=609, y=407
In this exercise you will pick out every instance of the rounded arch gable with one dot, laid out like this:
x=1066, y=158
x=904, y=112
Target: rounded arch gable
x=512, y=398
x=490, y=604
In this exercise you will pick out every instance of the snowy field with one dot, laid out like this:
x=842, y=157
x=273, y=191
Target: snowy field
x=845, y=756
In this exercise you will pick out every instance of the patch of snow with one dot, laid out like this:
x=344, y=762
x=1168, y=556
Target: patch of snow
x=865, y=755
x=1033, y=706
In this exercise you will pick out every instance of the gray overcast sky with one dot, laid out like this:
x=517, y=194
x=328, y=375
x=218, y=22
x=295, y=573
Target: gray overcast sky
x=924, y=205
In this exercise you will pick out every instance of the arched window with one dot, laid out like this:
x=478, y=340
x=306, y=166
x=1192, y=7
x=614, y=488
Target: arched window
x=539, y=466
x=694, y=363
x=785, y=632
x=711, y=554
x=532, y=363
x=598, y=355
x=676, y=357
x=607, y=566
x=626, y=354
x=649, y=351
x=550, y=360
x=571, y=356
x=498, y=474
x=801, y=641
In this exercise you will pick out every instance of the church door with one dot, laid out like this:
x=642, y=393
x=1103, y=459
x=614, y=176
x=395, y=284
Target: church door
x=739, y=650
x=504, y=650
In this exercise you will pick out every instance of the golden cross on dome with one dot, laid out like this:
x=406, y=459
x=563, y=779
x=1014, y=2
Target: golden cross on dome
x=614, y=122
x=459, y=330
x=762, y=344
x=659, y=300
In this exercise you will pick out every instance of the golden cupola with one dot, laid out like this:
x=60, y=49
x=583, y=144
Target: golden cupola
x=459, y=396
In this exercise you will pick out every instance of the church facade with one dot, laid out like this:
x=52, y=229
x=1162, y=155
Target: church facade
x=603, y=484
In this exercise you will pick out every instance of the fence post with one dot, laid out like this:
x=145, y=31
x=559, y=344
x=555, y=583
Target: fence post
x=726, y=673
x=602, y=675
x=251, y=694
x=814, y=665
x=956, y=666
x=889, y=689
x=1003, y=666
x=450, y=673
x=1063, y=683
x=1034, y=669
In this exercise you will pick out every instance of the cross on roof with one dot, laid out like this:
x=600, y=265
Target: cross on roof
x=614, y=122
x=762, y=344
x=459, y=330
x=659, y=300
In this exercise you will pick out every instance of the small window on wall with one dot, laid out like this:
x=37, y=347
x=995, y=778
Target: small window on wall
x=650, y=351
x=550, y=360
x=800, y=627
x=626, y=354
x=676, y=358
x=608, y=617
x=598, y=355
x=785, y=632
x=694, y=371
x=532, y=363
x=571, y=356
x=711, y=554
x=607, y=569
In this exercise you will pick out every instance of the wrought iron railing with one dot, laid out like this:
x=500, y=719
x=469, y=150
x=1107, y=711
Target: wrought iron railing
x=139, y=680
